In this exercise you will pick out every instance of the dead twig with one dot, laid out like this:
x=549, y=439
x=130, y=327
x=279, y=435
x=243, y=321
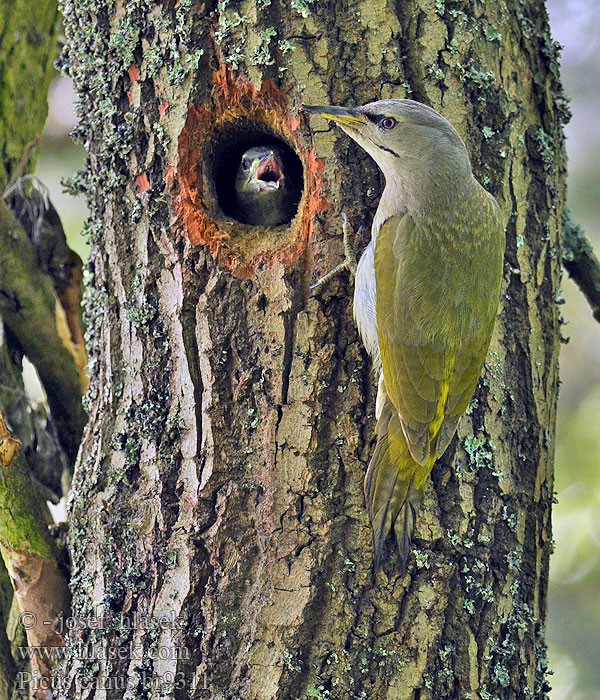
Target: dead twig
x=22, y=164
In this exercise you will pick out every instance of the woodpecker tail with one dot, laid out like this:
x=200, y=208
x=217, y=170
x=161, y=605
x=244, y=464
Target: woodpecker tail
x=393, y=500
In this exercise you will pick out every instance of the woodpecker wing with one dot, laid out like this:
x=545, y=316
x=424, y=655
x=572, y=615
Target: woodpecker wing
x=430, y=364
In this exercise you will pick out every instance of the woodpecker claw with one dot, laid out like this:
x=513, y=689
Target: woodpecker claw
x=348, y=251
x=349, y=261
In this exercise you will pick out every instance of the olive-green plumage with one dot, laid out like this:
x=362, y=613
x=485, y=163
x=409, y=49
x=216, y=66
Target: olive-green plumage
x=425, y=300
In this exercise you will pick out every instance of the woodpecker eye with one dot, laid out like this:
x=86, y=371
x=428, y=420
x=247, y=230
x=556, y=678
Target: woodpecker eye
x=245, y=164
x=387, y=123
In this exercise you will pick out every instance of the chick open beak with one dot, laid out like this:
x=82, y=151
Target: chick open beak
x=348, y=116
x=269, y=173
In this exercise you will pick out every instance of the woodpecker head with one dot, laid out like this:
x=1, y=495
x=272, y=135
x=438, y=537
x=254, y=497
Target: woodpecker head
x=260, y=172
x=401, y=136
x=265, y=192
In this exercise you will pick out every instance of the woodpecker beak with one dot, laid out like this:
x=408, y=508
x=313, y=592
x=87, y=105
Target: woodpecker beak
x=347, y=116
x=268, y=172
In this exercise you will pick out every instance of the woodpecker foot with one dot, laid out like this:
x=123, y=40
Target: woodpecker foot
x=349, y=261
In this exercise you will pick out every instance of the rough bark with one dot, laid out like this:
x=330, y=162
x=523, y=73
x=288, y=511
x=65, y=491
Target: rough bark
x=220, y=479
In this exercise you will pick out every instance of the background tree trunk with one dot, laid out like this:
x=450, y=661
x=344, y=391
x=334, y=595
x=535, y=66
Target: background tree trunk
x=28, y=39
x=28, y=47
x=231, y=409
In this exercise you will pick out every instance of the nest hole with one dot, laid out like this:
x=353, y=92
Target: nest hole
x=223, y=155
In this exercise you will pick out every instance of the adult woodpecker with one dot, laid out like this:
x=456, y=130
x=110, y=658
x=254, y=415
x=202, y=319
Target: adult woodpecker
x=426, y=296
x=263, y=196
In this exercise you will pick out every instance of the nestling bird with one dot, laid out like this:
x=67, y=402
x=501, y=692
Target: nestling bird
x=263, y=195
x=425, y=299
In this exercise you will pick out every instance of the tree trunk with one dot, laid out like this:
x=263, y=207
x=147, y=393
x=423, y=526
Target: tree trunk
x=28, y=31
x=219, y=486
x=28, y=37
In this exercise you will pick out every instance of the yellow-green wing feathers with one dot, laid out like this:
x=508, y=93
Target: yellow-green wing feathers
x=435, y=312
x=431, y=350
x=413, y=368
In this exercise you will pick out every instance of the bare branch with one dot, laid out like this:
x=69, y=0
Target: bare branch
x=21, y=165
x=30, y=309
x=31, y=559
x=29, y=200
x=581, y=262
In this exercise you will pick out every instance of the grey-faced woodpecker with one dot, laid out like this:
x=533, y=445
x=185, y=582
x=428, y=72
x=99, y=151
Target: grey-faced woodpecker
x=425, y=298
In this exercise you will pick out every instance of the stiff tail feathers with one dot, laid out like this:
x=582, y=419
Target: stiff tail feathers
x=392, y=499
x=404, y=524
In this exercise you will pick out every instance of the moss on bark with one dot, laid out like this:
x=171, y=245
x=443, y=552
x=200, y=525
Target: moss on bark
x=29, y=31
